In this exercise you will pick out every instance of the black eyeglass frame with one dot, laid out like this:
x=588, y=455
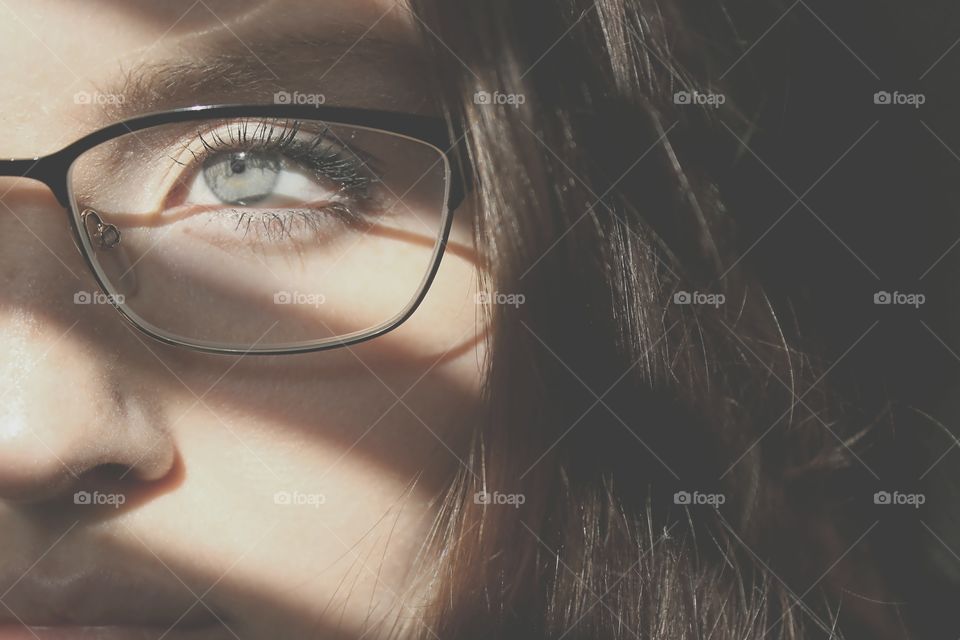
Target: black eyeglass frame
x=54, y=171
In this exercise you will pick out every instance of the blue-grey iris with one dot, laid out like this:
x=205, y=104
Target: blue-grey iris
x=243, y=177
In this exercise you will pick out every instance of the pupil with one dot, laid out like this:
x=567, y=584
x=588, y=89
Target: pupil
x=238, y=164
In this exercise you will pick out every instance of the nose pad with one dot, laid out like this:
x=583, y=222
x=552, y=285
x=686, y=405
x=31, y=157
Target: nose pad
x=102, y=234
x=109, y=255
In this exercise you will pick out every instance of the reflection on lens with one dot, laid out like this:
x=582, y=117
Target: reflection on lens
x=263, y=233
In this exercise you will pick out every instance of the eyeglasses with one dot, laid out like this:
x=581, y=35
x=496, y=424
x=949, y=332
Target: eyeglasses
x=266, y=229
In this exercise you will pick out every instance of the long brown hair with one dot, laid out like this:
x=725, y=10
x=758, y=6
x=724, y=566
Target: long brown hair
x=602, y=197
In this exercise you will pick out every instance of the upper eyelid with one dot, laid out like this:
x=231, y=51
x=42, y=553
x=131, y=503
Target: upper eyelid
x=263, y=133
x=212, y=135
x=285, y=138
x=273, y=137
x=288, y=139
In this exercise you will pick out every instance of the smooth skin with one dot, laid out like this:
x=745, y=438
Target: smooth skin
x=361, y=440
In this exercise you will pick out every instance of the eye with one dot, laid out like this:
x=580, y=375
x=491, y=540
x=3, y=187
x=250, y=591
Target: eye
x=265, y=183
x=242, y=178
x=272, y=172
x=260, y=179
x=258, y=233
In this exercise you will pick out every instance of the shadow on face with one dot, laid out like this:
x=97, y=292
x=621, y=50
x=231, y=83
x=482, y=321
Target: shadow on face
x=289, y=492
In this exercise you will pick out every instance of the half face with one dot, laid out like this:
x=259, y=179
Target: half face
x=147, y=488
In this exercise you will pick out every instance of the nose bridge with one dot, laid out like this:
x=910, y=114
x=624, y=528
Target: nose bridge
x=64, y=409
x=43, y=274
x=34, y=219
x=38, y=249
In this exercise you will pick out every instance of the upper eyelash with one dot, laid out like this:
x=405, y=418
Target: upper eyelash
x=263, y=136
x=238, y=135
x=330, y=164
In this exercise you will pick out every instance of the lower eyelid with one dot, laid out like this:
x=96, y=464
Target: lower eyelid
x=297, y=229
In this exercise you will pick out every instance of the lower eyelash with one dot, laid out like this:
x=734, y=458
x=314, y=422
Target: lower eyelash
x=280, y=225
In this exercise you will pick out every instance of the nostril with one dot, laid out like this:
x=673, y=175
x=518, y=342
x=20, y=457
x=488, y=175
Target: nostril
x=120, y=475
x=36, y=468
x=119, y=486
x=108, y=474
x=72, y=413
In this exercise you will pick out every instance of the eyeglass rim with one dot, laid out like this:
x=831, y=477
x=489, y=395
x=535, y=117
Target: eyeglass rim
x=54, y=171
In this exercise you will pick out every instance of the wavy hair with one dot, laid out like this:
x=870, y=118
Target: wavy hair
x=608, y=203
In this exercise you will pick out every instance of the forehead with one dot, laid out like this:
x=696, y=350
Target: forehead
x=73, y=66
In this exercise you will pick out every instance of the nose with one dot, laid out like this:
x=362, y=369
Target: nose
x=68, y=406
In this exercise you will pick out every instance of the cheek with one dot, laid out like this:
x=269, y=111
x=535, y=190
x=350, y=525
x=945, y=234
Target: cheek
x=449, y=317
x=449, y=326
x=326, y=465
x=296, y=523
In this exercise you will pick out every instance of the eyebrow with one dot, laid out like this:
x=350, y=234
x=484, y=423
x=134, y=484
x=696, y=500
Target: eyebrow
x=346, y=68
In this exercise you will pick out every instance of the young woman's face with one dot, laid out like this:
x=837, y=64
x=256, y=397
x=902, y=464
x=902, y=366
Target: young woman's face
x=248, y=497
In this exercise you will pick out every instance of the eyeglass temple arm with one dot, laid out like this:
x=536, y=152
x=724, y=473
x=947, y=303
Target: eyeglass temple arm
x=18, y=168
x=49, y=170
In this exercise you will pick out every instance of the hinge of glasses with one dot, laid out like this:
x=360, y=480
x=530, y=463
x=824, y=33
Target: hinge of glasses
x=104, y=234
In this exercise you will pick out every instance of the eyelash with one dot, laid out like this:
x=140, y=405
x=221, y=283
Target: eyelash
x=278, y=226
x=321, y=156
